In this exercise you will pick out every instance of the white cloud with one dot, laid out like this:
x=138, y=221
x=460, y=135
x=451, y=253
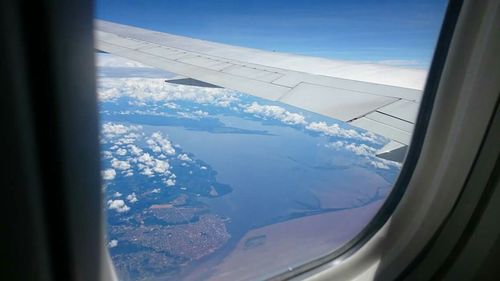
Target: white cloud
x=160, y=144
x=337, y=131
x=108, y=174
x=117, y=194
x=161, y=167
x=135, y=150
x=379, y=165
x=149, y=165
x=155, y=89
x=113, y=130
x=361, y=149
x=121, y=151
x=113, y=243
x=200, y=113
x=170, y=105
x=118, y=205
x=137, y=103
x=276, y=112
x=123, y=141
x=193, y=115
x=364, y=150
x=184, y=157
x=156, y=190
x=336, y=145
x=147, y=159
x=358, y=149
x=132, y=198
x=170, y=182
x=147, y=172
x=119, y=164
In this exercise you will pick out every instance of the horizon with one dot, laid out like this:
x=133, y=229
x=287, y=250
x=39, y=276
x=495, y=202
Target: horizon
x=396, y=33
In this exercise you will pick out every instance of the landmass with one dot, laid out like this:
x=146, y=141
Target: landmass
x=159, y=249
x=298, y=240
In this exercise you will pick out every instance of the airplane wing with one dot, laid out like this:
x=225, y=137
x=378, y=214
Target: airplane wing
x=380, y=99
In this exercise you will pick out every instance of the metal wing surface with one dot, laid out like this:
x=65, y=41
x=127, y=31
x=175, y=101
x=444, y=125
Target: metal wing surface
x=381, y=99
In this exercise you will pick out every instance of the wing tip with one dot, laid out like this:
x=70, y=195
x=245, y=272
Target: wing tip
x=393, y=151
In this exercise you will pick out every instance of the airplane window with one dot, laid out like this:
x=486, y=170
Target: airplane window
x=242, y=139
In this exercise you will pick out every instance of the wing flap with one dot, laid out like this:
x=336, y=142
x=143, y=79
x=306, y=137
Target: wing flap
x=402, y=109
x=383, y=129
x=390, y=121
x=341, y=104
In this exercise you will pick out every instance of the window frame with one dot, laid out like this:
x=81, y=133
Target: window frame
x=457, y=129
x=412, y=156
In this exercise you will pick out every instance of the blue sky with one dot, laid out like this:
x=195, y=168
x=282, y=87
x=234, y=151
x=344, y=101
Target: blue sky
x=396, y=32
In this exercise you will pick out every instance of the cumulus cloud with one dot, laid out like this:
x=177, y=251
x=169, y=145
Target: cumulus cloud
x=184, y=157
x=119, y=164
x=160, y=144
x=155, y=89
x=113, y=243
x=364, y=150
x=149, y=165
x=146, y=158
x=121, y=151
x=108, y=174
x=170, y=105
x=161, y=166
x=361, y=149
x=117, y=194
x=337, y=131
x=147, y=172
x=118, y=205
x=137, y=103
x=358, y=149
x=200, y=113
x=122, y=140
x=276, y=112
x=379, y=165
x=113, y=130
x=170, y=182
x=132, y=198
x=107, y=154
x=193, y=115
x=134, y=150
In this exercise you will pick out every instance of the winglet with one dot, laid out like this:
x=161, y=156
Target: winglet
x=191, y=82
x=393, y=151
